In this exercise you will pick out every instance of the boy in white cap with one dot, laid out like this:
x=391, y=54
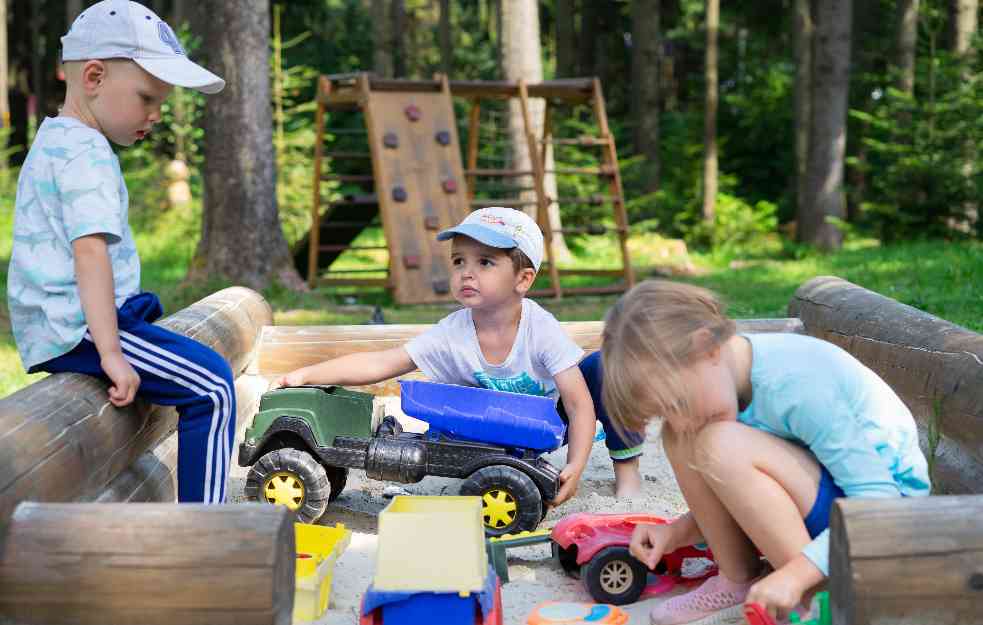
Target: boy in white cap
x=499, y=340
x=74, y=276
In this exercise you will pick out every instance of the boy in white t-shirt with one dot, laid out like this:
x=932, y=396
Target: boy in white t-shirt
x=499, y=340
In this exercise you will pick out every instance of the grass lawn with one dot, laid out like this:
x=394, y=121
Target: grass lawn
x=935, y=276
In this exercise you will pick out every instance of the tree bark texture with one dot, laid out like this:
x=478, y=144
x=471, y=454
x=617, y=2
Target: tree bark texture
x=827, y=130
x=382, y=42
x=446, y=49
x=61, y=439
x=710, y=111
x=522, y=59
x=4, y=75
x=934, y=366
x=153, y=564
x=803, y=27
x=241, y=240
x=907, y=44
x=587, y=43
x=907, y=560
x=566, y=32
x=965, y=23
x=646, y=41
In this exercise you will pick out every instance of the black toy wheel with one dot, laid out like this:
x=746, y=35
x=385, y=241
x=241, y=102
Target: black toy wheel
x=568, y=560
x=614, y=576
x=338, y=477
x=292, y=478
x=510, y=501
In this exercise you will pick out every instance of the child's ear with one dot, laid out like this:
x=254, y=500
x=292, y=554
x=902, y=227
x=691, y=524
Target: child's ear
x=524, y=280
x=704, y=343
x=93, y=75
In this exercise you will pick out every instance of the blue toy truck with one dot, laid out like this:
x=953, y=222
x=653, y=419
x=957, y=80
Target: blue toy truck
x=304, y=439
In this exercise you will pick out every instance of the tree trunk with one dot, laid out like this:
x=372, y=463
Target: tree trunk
x=827, y=130
x=382, y=39
x=446, y=51
x=400, y=60
x=907, y=40
x=587, y=42
x=523, y=60
x=241, y=239
x=965, y=25
x=803, y=27
x=565, y=36
x=4, y=96
x=710, y=112
x=646, y=41
x=72, y=10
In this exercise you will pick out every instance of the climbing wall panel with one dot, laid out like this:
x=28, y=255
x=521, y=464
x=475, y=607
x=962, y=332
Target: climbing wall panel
x=419, y=181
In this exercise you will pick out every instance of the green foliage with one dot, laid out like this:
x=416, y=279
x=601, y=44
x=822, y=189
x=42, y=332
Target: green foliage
x=922, y=154
x=738, y=228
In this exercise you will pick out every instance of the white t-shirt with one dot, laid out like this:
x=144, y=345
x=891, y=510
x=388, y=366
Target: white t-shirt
x=449, y=353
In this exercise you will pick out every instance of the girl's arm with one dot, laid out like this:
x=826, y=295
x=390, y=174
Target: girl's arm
x=352, y=369
x=580, y=410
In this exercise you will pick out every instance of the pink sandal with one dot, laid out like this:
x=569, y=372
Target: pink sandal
x=714, y=595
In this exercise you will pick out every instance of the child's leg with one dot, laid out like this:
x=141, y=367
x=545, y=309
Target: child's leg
x=625, y=448
x=175, y=371
x=766, y=484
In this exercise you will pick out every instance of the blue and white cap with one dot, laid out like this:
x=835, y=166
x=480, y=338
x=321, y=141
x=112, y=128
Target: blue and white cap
x=120, y=29
x=497, y=226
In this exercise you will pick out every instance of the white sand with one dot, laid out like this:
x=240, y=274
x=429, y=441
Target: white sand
x=535, y=577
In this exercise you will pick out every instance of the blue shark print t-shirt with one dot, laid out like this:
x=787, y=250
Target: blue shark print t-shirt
x=449, y=353
x=70, y=186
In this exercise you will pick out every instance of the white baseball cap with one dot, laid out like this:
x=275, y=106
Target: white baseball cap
x=497, y=226
x=120, y=29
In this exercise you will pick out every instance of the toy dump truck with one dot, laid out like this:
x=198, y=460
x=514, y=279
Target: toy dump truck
x=303, y=441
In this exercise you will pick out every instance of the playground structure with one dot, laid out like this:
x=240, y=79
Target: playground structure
x=418, y=185
x=62, y=442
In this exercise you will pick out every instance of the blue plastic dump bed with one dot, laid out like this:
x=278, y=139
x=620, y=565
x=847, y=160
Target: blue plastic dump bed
x=485, y=416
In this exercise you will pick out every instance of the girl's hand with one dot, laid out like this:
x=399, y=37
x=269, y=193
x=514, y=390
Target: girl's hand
x=778, y=593
x=648, y=543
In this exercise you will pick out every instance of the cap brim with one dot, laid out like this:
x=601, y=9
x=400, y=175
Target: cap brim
x=480, y=234
x=182, y=72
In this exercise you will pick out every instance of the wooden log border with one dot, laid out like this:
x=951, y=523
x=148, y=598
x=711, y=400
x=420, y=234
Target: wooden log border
x=60, y=438
x=935, y=366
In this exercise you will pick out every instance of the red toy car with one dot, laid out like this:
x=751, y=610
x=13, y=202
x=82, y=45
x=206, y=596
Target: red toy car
x=596, y=546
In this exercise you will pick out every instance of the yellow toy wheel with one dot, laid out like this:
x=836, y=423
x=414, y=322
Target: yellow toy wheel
x=510, y=500
x=284, y=488
x=292, y=478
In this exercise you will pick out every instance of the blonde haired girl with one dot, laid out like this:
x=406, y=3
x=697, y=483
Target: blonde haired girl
x=762, y=431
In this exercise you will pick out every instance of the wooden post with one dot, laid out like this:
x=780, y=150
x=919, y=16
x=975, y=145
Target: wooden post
x=61, y=439
x=153, y=564
x=907, y=560
x=614, y=184
x=314, y=239
x=542, y=204
x=932, y=364
x=474, y=128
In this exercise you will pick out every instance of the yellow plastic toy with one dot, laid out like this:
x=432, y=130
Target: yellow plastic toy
x=435, y=544
x=318, y=549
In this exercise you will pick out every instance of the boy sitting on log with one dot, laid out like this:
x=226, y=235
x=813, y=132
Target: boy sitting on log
x=74, y=277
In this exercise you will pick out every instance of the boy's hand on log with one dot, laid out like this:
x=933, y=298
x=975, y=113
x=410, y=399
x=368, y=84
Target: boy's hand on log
x=294, y=378
x=125, y=380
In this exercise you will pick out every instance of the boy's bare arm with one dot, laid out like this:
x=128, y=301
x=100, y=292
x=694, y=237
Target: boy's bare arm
x=580, y=410
x=94, y=272
x=352, y=369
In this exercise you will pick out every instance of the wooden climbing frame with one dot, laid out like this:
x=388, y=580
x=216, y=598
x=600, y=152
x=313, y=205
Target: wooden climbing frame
x=420, y=186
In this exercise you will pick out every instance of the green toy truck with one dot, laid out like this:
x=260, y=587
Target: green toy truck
x=304, y=440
